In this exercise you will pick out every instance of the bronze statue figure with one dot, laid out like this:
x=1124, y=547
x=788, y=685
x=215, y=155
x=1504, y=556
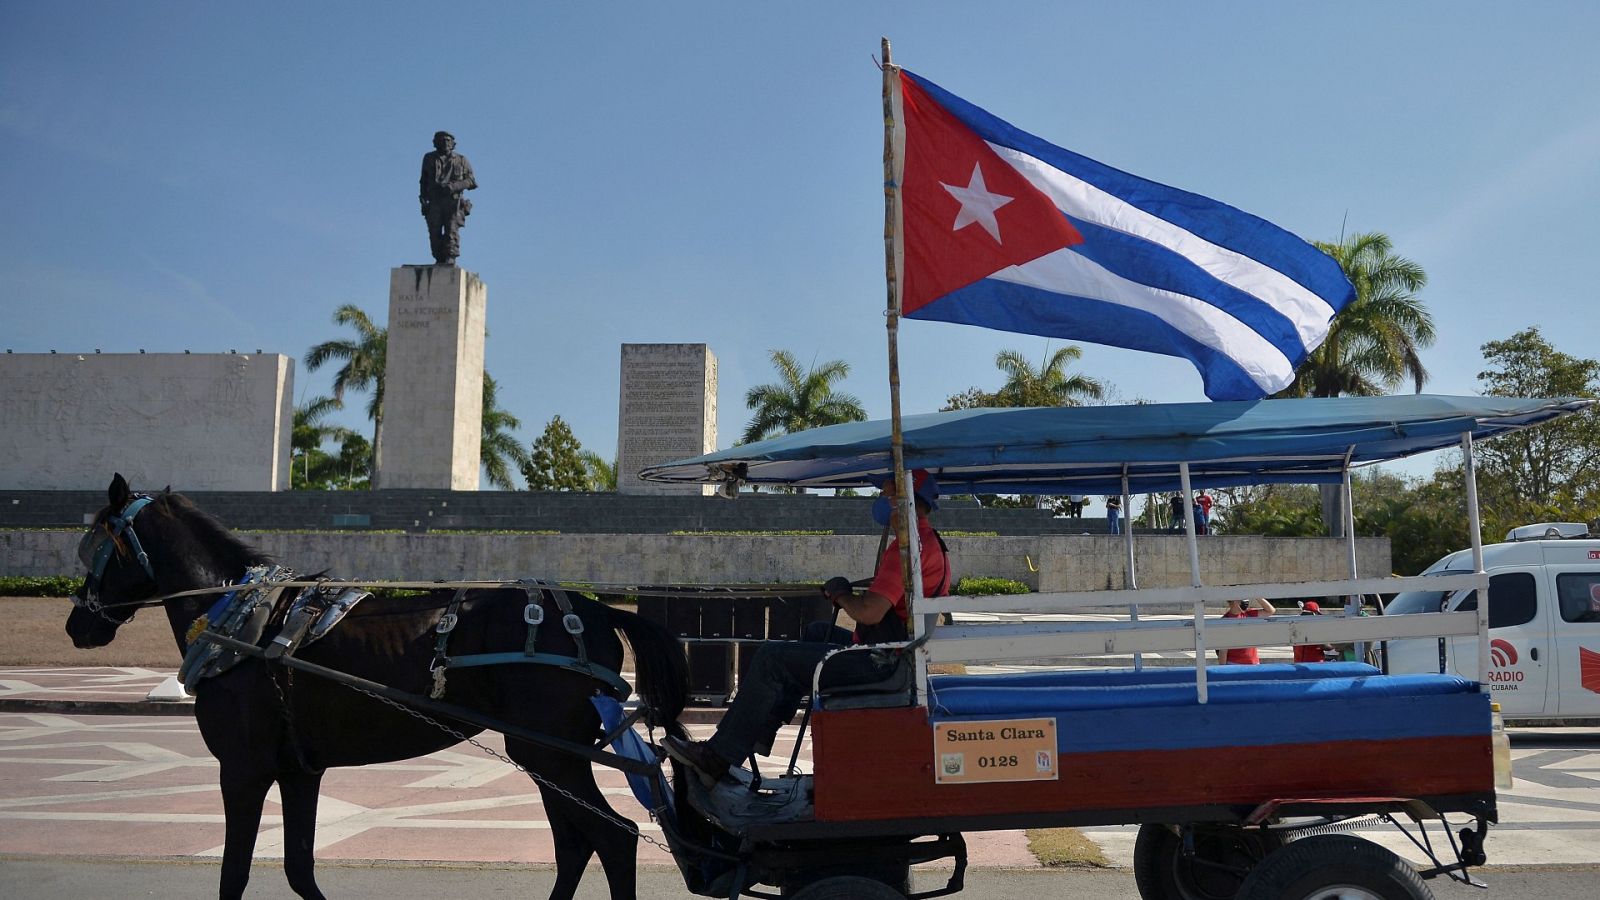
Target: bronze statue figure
x=445, y=175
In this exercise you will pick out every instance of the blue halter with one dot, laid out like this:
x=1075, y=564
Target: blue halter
x=98, y=546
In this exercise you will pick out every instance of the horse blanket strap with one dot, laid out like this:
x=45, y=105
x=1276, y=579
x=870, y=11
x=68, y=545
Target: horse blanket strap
x=533, y=615
x=441, y=644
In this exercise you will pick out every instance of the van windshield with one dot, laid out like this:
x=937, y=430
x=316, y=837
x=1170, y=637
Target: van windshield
x=1409, y=602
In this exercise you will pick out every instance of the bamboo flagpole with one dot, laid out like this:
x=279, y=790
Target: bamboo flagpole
x=893, y=257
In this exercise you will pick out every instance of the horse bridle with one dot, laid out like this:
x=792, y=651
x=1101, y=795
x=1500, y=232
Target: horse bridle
x=101, y=543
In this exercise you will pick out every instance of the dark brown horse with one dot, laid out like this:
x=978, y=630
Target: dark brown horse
x=265, y=725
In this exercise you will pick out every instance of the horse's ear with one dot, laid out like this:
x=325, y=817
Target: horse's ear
x=119, y=492
x=166, y=490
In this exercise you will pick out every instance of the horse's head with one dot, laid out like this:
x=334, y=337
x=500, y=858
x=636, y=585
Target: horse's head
x=118, y=573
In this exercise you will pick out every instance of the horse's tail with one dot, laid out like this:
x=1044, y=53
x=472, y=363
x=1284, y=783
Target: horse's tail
x=662, y=669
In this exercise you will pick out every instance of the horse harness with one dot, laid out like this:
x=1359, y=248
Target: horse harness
x=533, y=615
x=305, y=615
x=98, y=545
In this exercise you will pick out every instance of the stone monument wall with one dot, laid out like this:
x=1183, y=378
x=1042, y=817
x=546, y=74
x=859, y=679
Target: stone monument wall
x=433, y=381
x=668, y=410
x=207, y=421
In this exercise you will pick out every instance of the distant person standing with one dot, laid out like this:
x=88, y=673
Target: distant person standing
x=1114, y=514
x=445, y=175
x=1205, y=510
x=1243, y=609
x=1309, y=653
x=1175, y=512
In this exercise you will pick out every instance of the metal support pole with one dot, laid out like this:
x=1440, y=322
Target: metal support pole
x=1470, y=470
x=1194, y=581
x=1352, y=603
x=1131, y=582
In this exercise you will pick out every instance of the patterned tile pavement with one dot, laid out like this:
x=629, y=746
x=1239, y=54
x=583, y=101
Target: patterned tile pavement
x=145, y=785
x=74, y=783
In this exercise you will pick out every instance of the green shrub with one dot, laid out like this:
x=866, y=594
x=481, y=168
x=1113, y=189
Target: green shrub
x=979, y=586
x=53, y=586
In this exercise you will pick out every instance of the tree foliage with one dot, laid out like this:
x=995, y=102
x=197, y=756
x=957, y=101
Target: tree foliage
x=602, y=474
x=354, y=462
x=363, y=358
x=311, y=468
x=1557, y=465
x=1374, y=343
x=800, y=399
x=556, y=463
x=1048, y=385
x=1548, y=473
x=498, y=449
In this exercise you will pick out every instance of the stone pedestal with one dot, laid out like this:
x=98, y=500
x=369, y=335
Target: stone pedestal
x=668, y=411
x=433, y=379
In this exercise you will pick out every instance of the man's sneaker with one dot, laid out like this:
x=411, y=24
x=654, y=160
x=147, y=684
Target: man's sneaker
x=698, y=756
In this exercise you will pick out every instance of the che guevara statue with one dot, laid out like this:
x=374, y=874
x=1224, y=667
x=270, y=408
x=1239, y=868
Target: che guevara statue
x=445, y=175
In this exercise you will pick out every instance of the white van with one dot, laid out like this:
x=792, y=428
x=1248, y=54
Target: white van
x=1544, y=623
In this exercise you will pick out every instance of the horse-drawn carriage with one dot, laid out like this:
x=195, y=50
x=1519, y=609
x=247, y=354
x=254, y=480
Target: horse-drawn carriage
x=1215, y=763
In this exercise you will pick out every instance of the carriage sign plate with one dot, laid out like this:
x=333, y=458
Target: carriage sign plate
x=994, y=750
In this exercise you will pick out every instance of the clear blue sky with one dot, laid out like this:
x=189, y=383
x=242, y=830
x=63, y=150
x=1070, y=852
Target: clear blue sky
x=214, y=176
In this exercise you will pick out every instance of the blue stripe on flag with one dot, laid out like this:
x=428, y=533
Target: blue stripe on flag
x=1217, y=222
x=1139, y=260
x=1008, y=306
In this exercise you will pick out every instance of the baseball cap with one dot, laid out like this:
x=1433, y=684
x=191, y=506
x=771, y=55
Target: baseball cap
x=923, y=484
x=1312, y=607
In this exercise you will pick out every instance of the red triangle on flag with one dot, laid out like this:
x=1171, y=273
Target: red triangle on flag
x=966, y=213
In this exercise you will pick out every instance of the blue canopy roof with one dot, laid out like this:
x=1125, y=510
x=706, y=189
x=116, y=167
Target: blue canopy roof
x=1084, y=450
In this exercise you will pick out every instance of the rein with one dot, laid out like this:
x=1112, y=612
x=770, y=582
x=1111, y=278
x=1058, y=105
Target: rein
x=589, y=587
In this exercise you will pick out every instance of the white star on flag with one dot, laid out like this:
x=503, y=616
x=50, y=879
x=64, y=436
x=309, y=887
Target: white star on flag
x=977, y=204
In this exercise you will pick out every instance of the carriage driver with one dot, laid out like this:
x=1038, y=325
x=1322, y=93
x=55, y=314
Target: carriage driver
x=780, y=675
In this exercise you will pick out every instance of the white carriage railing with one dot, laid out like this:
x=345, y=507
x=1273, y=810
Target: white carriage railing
x=985, y=642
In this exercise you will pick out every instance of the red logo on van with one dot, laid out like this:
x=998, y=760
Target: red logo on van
x=1502, y=654
x=1594, y=554
x=1589, y=669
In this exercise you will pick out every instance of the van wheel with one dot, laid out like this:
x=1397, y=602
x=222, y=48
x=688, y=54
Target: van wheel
x=1334, y=867
x=1223, y=856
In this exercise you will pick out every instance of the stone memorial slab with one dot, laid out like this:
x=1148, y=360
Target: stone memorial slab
x=200, y=422
x=668, y=410
x=433, y=382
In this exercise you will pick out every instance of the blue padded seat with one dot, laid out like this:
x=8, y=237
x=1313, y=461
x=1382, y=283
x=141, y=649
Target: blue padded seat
x=968, y=698
x=1156, y=675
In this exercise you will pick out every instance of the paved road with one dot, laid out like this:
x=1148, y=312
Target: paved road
x=144, y=786
x=63, y=879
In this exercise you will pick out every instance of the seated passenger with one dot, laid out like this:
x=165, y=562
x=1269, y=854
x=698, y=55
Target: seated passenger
x=781, y=673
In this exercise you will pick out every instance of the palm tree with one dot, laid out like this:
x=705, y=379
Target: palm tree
x=1373, y=344
x=363, y=368
x=310, y=431
x=602, y=474
x=800, y=400
x=499, y=450
x=1048, y=385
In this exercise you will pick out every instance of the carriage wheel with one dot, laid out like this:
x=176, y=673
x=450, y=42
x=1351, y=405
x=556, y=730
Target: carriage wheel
x=1334, y=867
x=847, y=887
x=1223, y=856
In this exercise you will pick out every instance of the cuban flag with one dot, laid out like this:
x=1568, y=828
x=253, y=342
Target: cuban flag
x=998, y=228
